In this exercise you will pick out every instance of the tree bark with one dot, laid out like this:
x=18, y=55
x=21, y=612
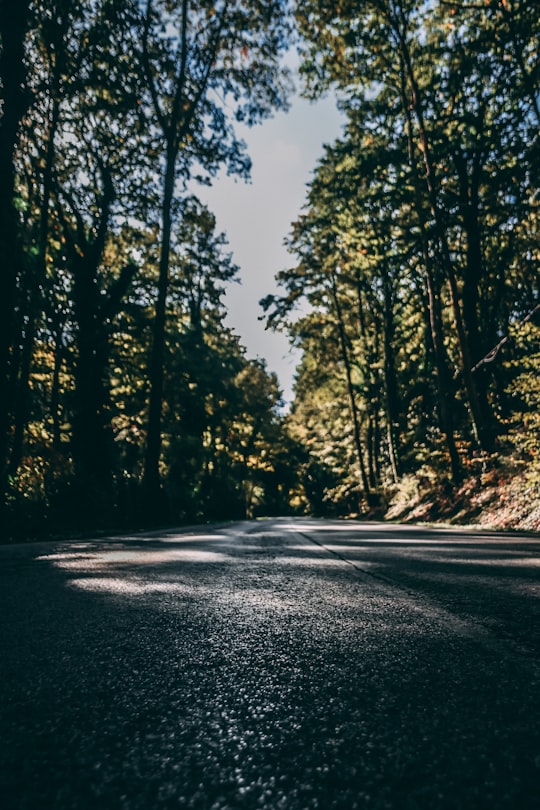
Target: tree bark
x=350, y=390
x=14, y=19
x=472, y=279
x=35, y=294
x=152, y=478
x=390, y=382
x=444, y=400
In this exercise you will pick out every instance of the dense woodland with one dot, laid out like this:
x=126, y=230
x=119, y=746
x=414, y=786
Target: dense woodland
x=412, y=293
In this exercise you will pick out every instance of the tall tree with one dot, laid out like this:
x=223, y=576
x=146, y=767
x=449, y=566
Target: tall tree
x=14, y=22
x=464, y=106
x=95, y=191
x=202, y=52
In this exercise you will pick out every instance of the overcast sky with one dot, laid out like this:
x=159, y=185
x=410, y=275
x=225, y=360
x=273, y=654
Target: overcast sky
x=257, y=217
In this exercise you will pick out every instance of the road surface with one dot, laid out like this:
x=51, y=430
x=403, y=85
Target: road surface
x=284, y=664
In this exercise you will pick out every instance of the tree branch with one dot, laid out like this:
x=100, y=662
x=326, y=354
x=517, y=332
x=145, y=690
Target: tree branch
x=492, y=354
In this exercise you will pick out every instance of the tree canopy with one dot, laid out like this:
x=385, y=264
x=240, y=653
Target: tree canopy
x=418, y=248
x=124, y=393
x=413, y=286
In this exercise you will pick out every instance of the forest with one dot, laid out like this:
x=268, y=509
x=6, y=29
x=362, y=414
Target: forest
x=412, y=293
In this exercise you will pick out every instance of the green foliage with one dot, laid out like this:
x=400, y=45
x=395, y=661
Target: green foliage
x=416, y=250
x=524, y=393
x=415, y=255
x=114, y=106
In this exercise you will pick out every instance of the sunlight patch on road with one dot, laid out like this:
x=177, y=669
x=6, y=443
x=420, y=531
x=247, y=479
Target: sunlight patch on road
x=520, y=562
x=319, y=532
x=125, y=587
x=323, y=562
x=188, y=538
x=89, y=561
x=316, y=526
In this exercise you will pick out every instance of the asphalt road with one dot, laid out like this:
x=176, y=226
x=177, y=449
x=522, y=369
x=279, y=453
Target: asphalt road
x=281, y=664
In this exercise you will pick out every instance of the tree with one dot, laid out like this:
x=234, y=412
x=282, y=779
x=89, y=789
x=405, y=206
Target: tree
x=14, y=22
x=107, y=116
x=438, y=72
x=417, y=241
x=95, y=191
x=202, y=52
x=72, y=204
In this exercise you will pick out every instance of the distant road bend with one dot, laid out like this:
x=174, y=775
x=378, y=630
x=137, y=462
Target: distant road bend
x=282, y=664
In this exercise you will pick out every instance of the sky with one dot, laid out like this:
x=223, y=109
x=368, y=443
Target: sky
x=257, y=217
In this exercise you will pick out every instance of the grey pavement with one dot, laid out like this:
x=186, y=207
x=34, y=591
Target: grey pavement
x=287, y=663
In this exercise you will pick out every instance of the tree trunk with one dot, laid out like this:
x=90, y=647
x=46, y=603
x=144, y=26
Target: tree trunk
x=350, y=389
x=13, y=27
x=152, y=479
x=445, y=398
x=473, y=273
x=91, y=436
x=390, y=383
x=35, y=293
x=372, y=389
x=55, y=391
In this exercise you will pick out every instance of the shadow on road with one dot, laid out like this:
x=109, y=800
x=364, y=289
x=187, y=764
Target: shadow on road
x=252, y=667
